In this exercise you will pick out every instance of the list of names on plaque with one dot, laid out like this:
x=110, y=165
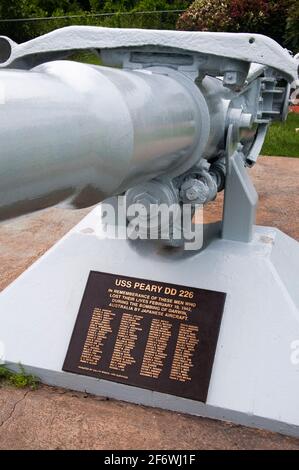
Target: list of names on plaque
x=125, y=342
x=148, y=334
x=184, y=352
x=154, y=355
x=100, y=326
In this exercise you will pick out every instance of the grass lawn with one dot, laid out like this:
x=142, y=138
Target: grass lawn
x=282, y=139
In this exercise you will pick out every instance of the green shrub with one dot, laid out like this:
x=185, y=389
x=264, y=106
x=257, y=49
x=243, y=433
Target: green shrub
x=18, y=379
x=254, y=16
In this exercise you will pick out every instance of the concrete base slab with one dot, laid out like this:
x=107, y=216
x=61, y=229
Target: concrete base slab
x=255, y=378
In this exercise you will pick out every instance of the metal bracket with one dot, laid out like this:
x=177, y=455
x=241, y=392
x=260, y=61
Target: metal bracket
x=240, y=201
x=254, y=152
x=242, y=47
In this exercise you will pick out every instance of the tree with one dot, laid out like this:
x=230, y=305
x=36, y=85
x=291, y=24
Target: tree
x=292, y=28
x=20, y=9
x=24, y=9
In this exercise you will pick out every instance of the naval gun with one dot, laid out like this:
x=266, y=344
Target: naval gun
x=170, y=117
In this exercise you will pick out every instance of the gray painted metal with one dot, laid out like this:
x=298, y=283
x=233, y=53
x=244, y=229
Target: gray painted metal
x=240, y=201
x=244, y=47
x=81, y=133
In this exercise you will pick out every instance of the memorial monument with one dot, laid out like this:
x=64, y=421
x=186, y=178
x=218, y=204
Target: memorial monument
x=204, y=320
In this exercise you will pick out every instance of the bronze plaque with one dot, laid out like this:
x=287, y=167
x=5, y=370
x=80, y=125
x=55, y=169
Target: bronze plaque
x=148, y=334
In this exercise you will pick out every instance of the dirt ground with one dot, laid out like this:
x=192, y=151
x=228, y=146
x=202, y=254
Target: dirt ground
x=51, y=418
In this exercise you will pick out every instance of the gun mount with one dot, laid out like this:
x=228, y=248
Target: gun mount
x=179, y=118
x=182, y=111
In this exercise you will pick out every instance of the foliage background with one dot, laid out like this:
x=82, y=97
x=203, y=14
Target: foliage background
x=25, y=30
x=278, y=19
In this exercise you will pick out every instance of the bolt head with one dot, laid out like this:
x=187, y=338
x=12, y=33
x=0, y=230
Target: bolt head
x=195, y=190
x=191, y=194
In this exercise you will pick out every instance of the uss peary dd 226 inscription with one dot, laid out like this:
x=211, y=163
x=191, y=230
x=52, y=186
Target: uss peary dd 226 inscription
x=148, y=334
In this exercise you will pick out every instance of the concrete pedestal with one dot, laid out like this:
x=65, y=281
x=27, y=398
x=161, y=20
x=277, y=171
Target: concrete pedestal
x=255, y=378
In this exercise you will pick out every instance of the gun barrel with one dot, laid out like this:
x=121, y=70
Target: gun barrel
x=76, y=132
